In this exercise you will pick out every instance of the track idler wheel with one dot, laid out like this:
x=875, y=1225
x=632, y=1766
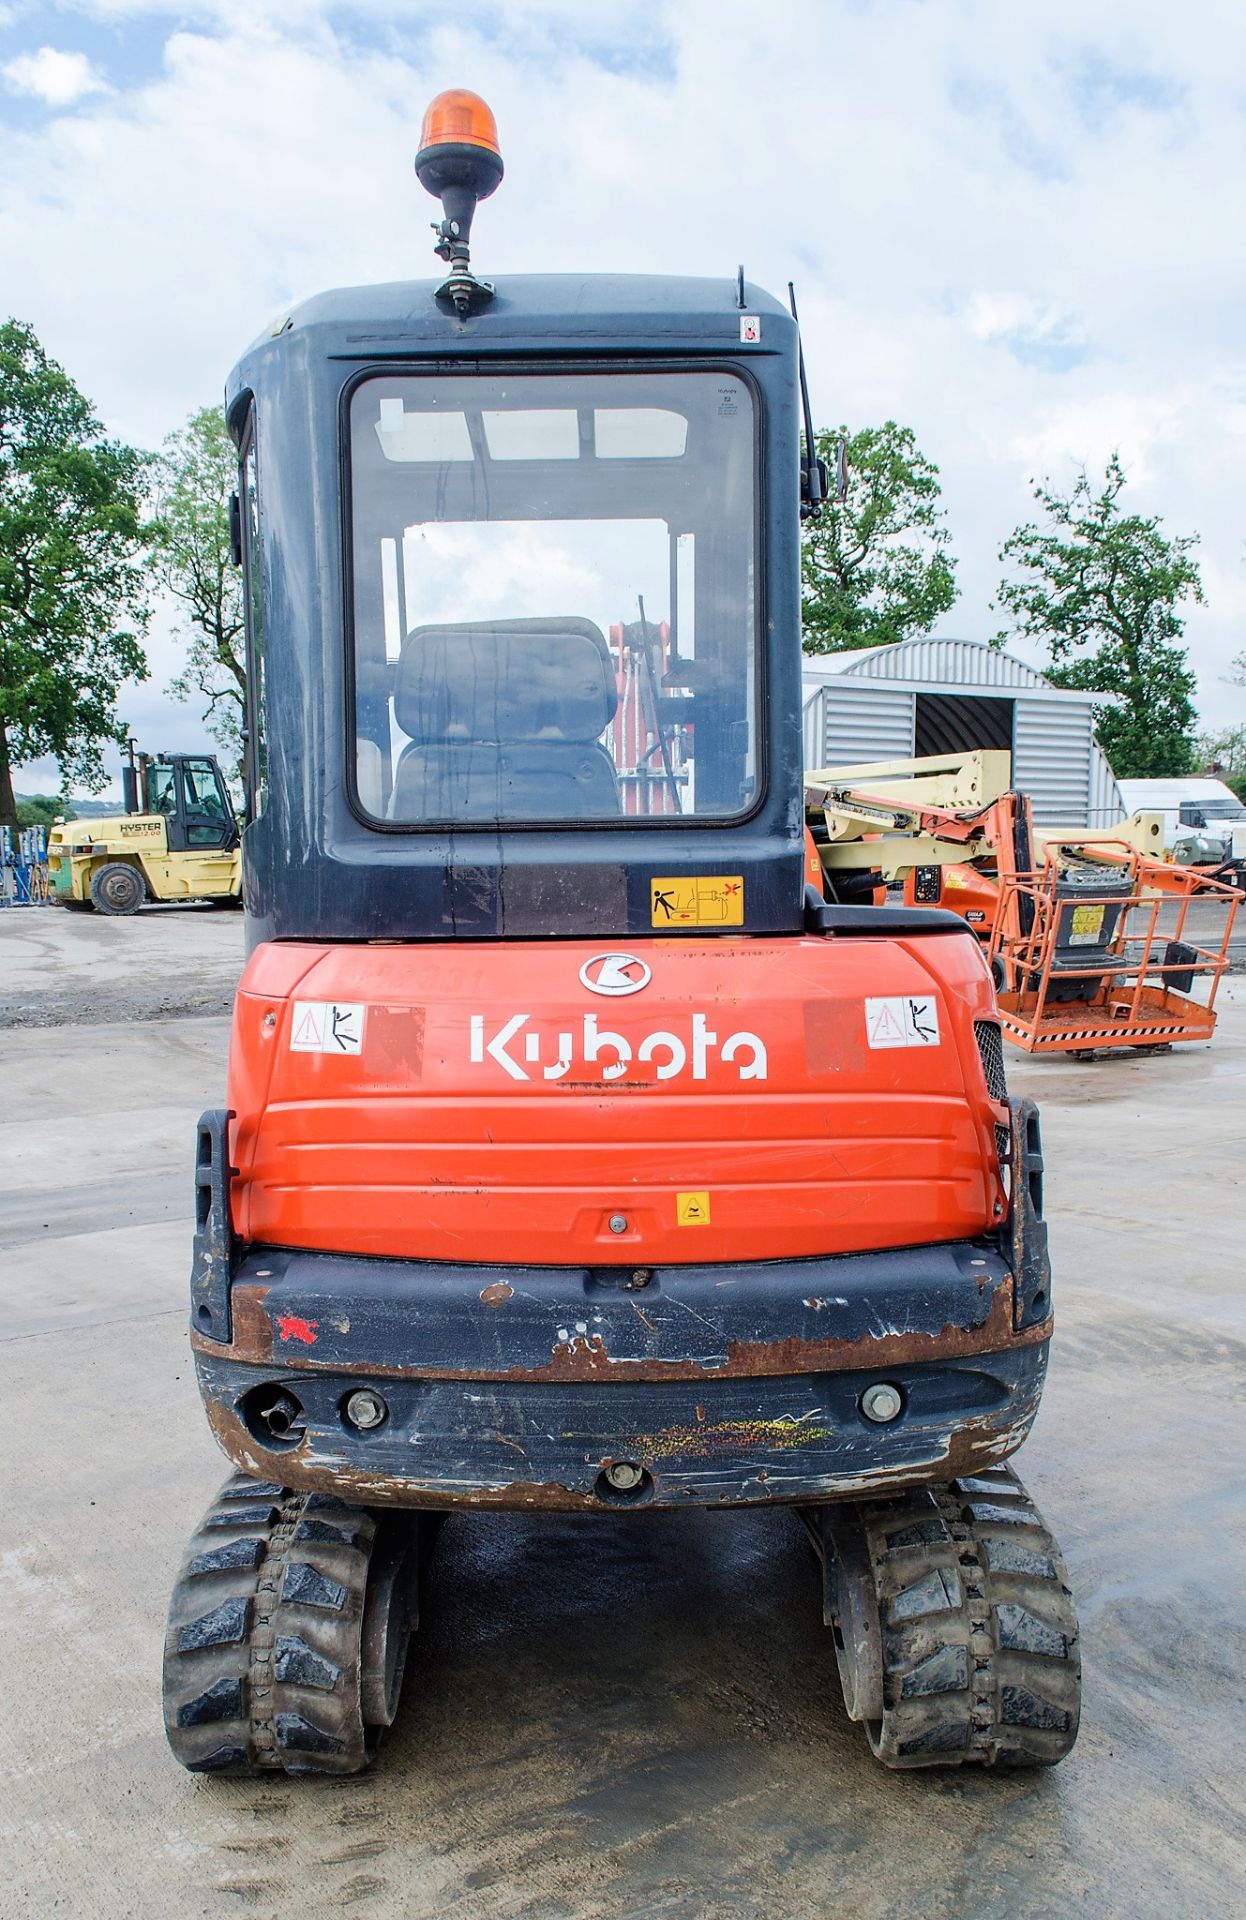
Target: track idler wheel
x=954, y=1627
x=288, y=1632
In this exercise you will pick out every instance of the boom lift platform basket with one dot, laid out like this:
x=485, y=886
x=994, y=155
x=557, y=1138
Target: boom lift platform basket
x=1101, y=951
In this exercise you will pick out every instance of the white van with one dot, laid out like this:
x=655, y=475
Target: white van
x=1199, y=815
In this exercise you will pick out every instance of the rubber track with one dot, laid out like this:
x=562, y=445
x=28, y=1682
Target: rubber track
x=980, y=1646
x=262, y=1653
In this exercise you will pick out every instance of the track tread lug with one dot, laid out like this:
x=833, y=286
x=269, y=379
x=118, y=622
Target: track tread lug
x=1023, y=1632
x=307, y=1586
x=238, y=1553
x=1021, y=1708
x=322, y=1533
x=221, y=1760
x=1003, y=1555
x=224, y=1626
x=298, y=1735
x=938, y=1591
x=299, y=1665
x=944, y=1671
x=221, y=1701
x=250, y=1516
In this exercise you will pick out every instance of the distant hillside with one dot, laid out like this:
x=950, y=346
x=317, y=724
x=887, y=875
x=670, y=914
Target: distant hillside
x=78, y=809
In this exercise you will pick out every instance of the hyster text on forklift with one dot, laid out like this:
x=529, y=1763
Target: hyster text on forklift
x=580, y=1155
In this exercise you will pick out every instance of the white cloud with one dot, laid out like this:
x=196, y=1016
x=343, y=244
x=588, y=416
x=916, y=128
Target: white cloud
x=59, y=79
x=1011, y=227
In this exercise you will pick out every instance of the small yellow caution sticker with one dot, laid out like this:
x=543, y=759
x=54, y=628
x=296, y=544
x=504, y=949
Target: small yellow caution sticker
x=1087, y=926
x=698, y=900
x=692, y=1209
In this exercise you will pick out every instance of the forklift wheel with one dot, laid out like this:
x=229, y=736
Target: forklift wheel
x=117, y=889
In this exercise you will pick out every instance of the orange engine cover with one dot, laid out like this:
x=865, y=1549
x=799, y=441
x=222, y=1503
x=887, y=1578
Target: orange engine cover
x=727, y=1099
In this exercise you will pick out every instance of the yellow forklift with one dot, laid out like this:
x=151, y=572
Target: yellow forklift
x=177, y=840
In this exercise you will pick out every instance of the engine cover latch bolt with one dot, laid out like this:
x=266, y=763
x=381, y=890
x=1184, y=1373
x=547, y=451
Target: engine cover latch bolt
x=366, y=1410
x=881, y=1403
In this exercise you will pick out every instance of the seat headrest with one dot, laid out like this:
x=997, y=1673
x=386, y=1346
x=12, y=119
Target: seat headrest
x=506, y=681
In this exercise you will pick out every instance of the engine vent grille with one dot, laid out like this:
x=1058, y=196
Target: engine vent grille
x=991, y=1048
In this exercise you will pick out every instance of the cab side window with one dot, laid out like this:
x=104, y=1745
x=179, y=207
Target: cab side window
x=209, y=821
x=255, y=761
x=162, y=793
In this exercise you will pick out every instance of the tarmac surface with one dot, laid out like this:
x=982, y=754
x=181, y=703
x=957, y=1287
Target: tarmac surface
x=626, y=1716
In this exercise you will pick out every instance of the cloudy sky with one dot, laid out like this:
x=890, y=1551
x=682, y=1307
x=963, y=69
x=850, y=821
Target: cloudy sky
x=1014, y=224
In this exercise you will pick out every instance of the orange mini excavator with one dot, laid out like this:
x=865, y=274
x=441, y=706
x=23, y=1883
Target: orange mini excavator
x=579, y=1155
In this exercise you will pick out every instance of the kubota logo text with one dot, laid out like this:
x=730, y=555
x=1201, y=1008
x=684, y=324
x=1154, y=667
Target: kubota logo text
x=525, y=1053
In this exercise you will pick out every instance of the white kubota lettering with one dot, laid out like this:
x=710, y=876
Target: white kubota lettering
x=611, y=1053
x=673, y=1045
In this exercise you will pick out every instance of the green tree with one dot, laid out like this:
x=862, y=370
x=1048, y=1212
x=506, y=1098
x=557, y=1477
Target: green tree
x=874, y=566
x=1225, y=750
x=1102, y=591
x=1224, y=755
x=43, y=809
x=73, y=603
x=195, y=473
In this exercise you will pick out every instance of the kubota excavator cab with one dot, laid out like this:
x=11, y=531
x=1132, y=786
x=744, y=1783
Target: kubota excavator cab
x=577, y=1154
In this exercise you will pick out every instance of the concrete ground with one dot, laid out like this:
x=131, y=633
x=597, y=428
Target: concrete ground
x=630, y=1716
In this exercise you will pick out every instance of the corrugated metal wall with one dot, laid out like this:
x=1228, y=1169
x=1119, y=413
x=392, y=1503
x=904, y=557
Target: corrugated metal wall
x=1056, y=758
x=855, y=711
x=1051, y=754
x=852, y=720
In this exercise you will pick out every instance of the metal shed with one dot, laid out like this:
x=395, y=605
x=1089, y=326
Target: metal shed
x=944, y=696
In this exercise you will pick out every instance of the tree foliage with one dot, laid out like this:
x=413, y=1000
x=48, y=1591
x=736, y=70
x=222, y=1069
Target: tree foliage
x=73, y=601
x=44, y=809
x=1223, y=755
x=195, y=473
x=1102, y=591
x=875, y=566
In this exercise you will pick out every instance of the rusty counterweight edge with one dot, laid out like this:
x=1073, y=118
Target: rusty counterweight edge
x=978, y=1443
x=588, y=1359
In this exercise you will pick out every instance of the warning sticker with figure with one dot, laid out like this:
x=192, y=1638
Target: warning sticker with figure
x=692, y=1209
x=700, y=900
x=1087, y=926
x=327, y=1026
x=902, y=1020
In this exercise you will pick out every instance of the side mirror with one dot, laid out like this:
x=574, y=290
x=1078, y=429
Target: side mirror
x=235, y=529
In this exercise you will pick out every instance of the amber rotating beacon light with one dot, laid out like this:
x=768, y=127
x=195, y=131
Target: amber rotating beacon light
x=459, y=163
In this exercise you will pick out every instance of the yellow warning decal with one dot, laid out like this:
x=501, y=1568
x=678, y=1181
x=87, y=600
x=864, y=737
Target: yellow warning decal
x=699, y=900
x=692, y=1209
x=1087, y=926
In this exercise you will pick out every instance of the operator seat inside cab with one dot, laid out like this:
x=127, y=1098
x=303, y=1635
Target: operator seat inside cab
x=504, y=721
